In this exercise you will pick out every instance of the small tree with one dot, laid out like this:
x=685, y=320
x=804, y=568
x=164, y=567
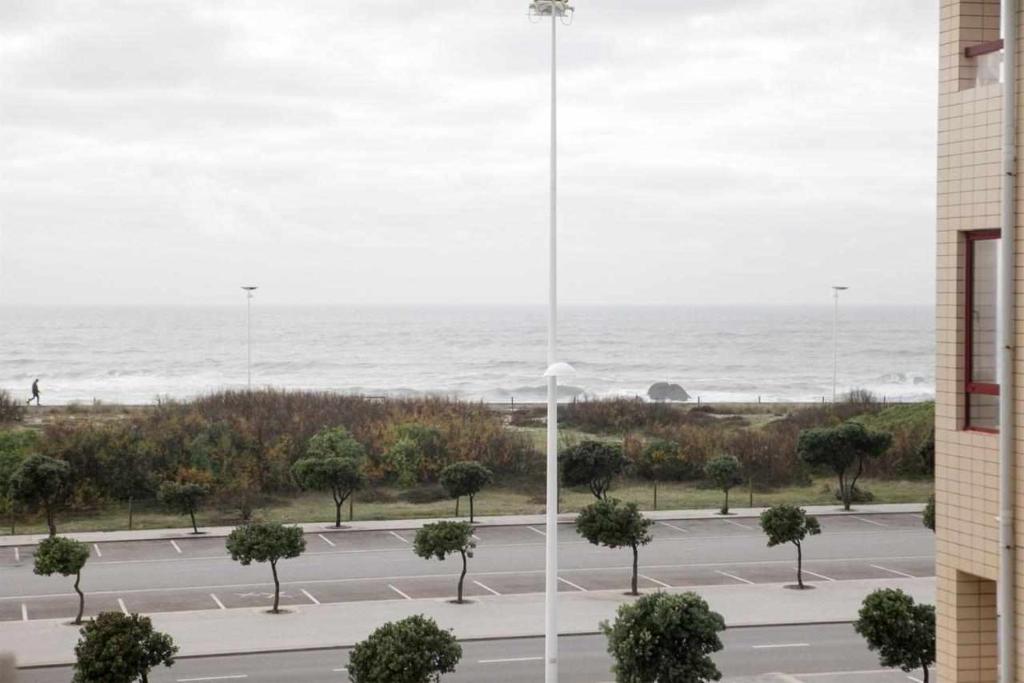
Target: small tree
x=184, y=498
x=442, y=539
x=465, y=479
x=789, y=524
x=928, y=518
x=266, y=542
x=665, y=637
x=902, y=631
x=724, y=472
x=338, y=443
x=843, y=449
x=413, y=650
x=615, y=524
x=42, y=482
x=592, y=464
x=64, y=556
x=660, y=461
x=341, y=476
x=121, y=648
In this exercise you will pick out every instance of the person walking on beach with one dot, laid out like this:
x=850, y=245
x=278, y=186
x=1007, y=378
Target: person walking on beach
x=35, y=393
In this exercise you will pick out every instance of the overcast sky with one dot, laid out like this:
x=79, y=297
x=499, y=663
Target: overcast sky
x=395, y=151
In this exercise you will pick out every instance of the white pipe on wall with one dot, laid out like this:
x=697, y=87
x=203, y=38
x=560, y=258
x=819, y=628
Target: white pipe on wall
x=1006, y=323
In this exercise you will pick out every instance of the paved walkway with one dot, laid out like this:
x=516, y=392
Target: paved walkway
x=48, y=642
x=401, y=524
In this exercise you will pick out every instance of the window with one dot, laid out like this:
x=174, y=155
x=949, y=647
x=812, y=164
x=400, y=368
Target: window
x=980, y=347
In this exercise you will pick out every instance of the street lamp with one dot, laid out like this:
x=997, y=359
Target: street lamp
x=249, y=289
x=558, y=10
x=835, y=337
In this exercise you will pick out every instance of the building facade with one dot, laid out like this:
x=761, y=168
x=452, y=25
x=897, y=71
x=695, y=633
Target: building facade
x=967, y=388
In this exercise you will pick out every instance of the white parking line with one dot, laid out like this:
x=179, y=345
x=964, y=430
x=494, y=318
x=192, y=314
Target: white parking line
x=869, y=521
x=537, y=531
x=96, y=547
x=217, y=600
x=17, y=555
x=820, y=576
x=341, y=670
x=569, y=583
x=487, y=588
x=24, y=612
x=894, y=571
x=475, y=537
x=120, y=603
x=176, y=548
x=399, y=592
x=310, y=596
x=403, y=539
x=660, y=583
x=213, y=678
x=673, y=526
x=326, y=540
x=777, y=645
x=733, y=576
x=823, y=674
x=742, y=526
x=509, y=659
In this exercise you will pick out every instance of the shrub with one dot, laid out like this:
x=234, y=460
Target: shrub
x=120, y=648
x=413, y=650
x=11, y=410
x=665, y=637
x=465, y=479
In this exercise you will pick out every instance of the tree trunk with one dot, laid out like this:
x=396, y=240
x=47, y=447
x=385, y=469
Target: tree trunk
x=81, y=598
x=457, y=500
x=471, y=508
x=337, y=514
x=144, y=677
x=351, y=507
x=750, y=490
x=799, y=566
x=725, y=507
x=277, y=585
x=130, y=517
x=49, y=520
x=655, y=494
x=853, y=484
x=924, y=670
x=462, y=577
x=636, y=556
x=192, y=516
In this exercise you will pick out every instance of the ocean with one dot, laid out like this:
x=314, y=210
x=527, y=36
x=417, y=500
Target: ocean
x=135, y=355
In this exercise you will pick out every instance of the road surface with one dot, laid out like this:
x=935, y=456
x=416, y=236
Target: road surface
x=805, y=654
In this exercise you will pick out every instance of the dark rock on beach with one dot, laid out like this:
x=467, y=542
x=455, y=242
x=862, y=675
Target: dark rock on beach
x=664, y=391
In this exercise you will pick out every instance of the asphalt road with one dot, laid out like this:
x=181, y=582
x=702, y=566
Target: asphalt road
x=806, y=654
x=346, y=566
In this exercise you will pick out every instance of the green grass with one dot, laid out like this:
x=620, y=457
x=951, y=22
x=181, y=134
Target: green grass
x=494, y=501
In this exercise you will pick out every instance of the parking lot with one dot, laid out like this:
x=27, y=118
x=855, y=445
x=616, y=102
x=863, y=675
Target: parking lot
x=351, y=566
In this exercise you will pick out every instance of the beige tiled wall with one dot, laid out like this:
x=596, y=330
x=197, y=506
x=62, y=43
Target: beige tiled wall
x=966, y=471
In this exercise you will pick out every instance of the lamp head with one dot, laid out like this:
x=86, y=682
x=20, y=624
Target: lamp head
x=560, y=370
x=547, y=8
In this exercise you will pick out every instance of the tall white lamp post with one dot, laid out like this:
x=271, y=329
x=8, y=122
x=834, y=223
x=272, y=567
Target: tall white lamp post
x=557, y=10
x=835, y=337
x=249, y=289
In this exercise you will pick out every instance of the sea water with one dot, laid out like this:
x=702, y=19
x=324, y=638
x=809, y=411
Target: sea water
x=497, y=354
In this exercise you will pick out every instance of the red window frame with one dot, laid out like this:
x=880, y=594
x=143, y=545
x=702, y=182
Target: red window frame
x=970, y=386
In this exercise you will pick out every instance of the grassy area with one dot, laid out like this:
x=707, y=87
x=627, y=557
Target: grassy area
x=494, y=501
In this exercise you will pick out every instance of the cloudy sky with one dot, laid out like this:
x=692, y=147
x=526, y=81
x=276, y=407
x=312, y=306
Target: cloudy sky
x=395, y=151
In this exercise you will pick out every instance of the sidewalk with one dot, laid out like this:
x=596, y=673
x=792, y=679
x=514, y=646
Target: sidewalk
x=400, y=524
x=235, y=631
